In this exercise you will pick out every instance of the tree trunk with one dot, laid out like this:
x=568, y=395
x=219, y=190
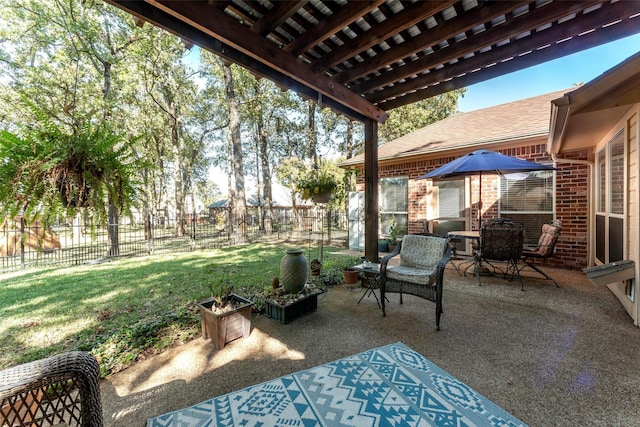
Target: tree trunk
x=113, y=215
x=178, y=193
x=173, y=113
x=113, y=241
x=263, y=143
x=238, y=173
x=349, y=179
x=313, y=137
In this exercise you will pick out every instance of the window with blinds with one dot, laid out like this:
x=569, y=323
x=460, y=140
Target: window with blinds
x=528, y=199
x=394, y=202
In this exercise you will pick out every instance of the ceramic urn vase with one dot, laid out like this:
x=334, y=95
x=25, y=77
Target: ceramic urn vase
x=293, y=271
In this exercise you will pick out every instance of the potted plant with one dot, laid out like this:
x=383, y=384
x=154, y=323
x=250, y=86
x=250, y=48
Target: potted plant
x=285, y=307
x=383, y=245
x=49, y=168
x=317, y=184
x=316, y=267
x=225, y=316
x=351, y=276
x=395, y=231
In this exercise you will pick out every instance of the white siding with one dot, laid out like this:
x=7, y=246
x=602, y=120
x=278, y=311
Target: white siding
x=632, y=185
x=632, y=217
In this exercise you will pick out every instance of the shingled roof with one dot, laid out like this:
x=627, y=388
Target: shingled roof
x=513, y=121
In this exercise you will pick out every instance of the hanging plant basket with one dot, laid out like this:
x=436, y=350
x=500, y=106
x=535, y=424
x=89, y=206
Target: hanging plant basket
x=321, y=197
x=316, y=267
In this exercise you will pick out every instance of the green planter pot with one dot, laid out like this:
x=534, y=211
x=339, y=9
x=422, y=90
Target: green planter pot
x=285, y=313
x=294, y=270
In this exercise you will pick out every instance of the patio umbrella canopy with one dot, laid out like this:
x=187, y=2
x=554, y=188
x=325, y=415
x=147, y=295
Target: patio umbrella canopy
x=484, y=161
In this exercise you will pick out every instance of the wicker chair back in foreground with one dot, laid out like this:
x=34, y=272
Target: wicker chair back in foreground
x=420, y=271
x=59, y=390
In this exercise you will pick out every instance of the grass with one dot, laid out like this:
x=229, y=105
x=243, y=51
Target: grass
x=128, y=309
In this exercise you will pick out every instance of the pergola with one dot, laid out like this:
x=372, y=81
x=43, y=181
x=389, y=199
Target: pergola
x=363, y=58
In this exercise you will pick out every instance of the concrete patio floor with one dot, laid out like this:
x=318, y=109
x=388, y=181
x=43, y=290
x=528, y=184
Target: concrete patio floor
x=550, y=356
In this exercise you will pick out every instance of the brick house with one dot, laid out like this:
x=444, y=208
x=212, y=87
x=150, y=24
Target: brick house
x=591, y=134
x=519, y=129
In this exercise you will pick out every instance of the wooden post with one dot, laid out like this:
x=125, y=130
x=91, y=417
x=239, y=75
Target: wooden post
x=371, y=190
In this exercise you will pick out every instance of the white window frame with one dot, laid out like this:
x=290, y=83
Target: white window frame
x=401, y=216
x=532, y=232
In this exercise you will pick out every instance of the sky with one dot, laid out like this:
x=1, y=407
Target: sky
x=551, y=76
x=562, y=73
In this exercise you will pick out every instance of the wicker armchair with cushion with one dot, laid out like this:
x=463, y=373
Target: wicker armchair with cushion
x=420, y=271
x=61, y=390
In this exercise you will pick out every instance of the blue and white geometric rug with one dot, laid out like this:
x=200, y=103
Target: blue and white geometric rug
x=387, y=386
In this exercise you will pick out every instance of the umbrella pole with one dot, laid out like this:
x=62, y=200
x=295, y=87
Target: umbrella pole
x=480, y=202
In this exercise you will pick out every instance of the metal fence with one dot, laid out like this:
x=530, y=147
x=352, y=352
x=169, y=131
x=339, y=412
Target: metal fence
x=24, y=246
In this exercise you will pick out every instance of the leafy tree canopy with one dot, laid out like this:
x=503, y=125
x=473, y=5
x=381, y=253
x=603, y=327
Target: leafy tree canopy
x=408, y=118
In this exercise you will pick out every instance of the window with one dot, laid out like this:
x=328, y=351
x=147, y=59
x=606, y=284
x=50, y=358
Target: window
x=394, y=202
x=451, y=213
x=528, y=199
x=610, y=226
x=616, y=147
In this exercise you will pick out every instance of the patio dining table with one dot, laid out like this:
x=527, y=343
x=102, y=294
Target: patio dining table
x=472, y=235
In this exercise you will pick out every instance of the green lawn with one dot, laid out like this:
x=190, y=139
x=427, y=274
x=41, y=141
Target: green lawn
x=130, y=308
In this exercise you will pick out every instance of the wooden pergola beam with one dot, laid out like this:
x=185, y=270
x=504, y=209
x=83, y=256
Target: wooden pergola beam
x=523, y=24
x=506, y=59
x=430, y=38
x=224, y=28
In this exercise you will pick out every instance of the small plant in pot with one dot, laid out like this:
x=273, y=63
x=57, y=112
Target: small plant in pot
x=284, y=306
x=351, y=276
x=395, y=232
x=225, y=316
x=315, y=266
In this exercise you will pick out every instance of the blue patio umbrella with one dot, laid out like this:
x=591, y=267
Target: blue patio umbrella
x=484, y=161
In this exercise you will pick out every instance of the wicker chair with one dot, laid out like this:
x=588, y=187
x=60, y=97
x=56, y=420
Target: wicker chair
x=59, y=390
x=544, y=249
x=420, y=271
x=500, y=240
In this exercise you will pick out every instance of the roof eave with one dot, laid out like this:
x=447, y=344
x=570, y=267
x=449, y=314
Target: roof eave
x=359, y=160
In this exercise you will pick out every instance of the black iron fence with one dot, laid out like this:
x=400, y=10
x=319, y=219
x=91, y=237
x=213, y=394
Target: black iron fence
x=25, y=245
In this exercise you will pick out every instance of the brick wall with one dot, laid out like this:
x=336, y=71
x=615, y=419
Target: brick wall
x=571, y=198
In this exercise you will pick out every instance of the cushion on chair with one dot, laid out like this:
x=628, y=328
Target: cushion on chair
x=422, y=252
x=546, y=241
x=411, y=274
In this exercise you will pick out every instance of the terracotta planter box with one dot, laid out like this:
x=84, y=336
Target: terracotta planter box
x=227, y=327
x=289, y=312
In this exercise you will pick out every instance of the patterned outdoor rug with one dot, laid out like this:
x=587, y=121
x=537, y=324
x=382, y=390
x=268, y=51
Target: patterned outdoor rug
x=387, y=386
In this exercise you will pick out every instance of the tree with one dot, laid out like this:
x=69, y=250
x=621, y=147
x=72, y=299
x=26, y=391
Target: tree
x=408, y=118
x=75, y=45
x=235, y=144
x=168, y=85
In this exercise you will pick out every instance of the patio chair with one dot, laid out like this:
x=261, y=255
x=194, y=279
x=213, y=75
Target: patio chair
x=500, y=240
x=420, y=271
x=544, y=249
x=58, y=390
